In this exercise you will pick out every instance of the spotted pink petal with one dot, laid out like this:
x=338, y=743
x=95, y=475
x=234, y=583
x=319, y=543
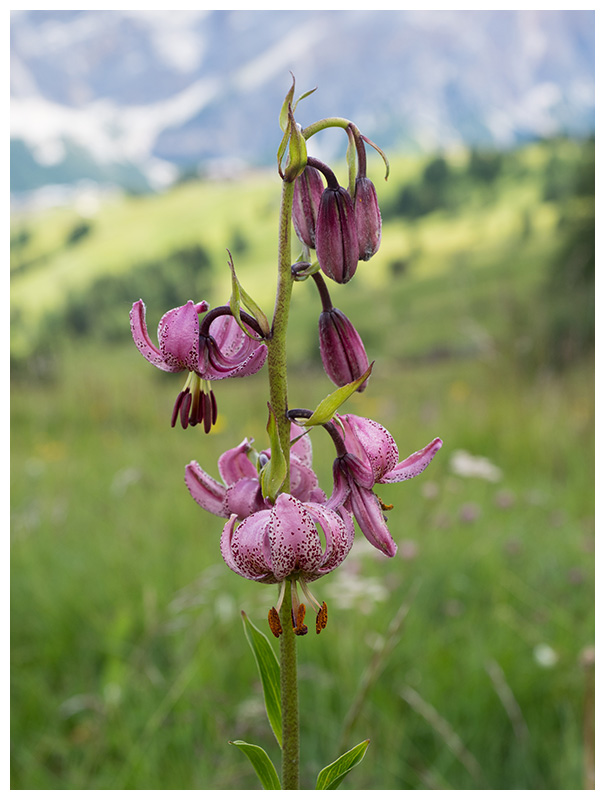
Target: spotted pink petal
x=293, y=538
x=234, y=464
x=206, y=492
x=301, y=448
x=245, y=548
x=370, y=442
x=339, y=532
x=178, y=335
x=413, y=465
x=243, y=498
x=370, y=518
x=145, y=346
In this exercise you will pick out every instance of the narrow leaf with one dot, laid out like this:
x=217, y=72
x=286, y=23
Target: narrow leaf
x=302, y=97
x=239, y=296
x=263, y=766
x=330, y=404
x=331, y=776
x=273, y=474
x=283, y=114
x=268, y=669
x=297, y=151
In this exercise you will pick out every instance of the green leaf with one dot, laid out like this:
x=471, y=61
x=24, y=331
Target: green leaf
x=297, y=152
x=331, y=776
x=268, y=668
x=263, y=766
x=330, y=404
x=273, y=474
x=239, y=296
x=284, y=114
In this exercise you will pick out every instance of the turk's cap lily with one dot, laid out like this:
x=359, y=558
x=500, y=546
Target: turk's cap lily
x=367, y=218
x=178, y=336
x=240, y=492
x=214, y=350
x=308, y=188
x=283, y=542
x=342, y=352
x=373, y=457
x=336, y=241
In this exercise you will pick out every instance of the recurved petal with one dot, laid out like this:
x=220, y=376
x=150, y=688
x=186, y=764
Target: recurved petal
x=246, y=548
x=302, y=480
x=339, y=532
x=369, y=441
x=413, y=465
x=145, y=346
x=234, y=464
x=244, y=498
x=368, y=513
x=301, y=448
x=293, y=538
x=178, y=335
x=218, y=366
x=206, y=492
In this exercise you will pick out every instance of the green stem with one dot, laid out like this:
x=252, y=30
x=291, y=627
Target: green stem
x=278, y=392
x=289, y=697
x=276, y=357
x=322, y=124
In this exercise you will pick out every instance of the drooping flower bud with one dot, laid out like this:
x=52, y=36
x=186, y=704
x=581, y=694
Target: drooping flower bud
x=336, y=236
x=308, y=189
x=367, y=218
x=342, y=352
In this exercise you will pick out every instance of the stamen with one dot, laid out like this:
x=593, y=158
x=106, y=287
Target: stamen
x=274, y=623
x=313, y=600
x=298, y=613
x=185, y=405
x=177, y=407
x=280, y=599
x=322, y=618
x=300, y=629
x=385, y=506
x=207, y=412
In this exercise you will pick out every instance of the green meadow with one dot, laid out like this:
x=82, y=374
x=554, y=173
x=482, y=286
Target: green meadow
x=466, y=659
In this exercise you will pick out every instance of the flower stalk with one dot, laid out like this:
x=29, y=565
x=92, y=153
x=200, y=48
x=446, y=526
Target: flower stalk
x=289, y=697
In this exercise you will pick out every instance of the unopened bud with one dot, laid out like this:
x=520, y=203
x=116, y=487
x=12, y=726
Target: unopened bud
x=342, y=352
x=308, y=188
x=336, y=236
x=367, y=218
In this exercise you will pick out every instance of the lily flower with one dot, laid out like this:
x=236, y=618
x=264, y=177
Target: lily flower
x=371, y=456
x=216, y=349
x=282, y=545
x=240, y=493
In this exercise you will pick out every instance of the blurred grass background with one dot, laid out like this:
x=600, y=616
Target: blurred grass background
x=129, y=664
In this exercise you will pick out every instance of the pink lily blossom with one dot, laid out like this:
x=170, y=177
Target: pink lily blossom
x=282, y=545
x=372, y=457
x=217, y=349
x=240, y=493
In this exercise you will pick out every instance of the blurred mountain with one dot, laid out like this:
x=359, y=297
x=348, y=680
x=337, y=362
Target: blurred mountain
x=135, y=98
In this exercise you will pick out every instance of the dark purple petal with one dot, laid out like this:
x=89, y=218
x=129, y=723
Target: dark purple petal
x=308, y=189
x=342, y=352
x=367, y=218
x=336, y=237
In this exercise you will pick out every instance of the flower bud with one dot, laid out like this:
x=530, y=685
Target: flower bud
x=336, y=236
x=367, y=218
x=342, y=352
x=308, y=189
